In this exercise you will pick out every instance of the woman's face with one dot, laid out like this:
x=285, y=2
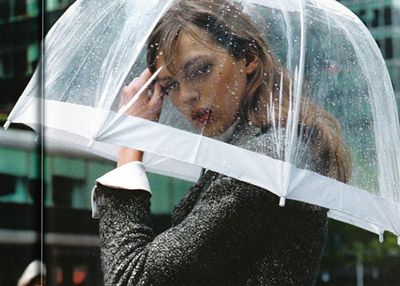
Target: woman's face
x=208, y=84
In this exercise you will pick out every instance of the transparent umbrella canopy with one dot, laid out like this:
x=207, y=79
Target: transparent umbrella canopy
x=325, y=72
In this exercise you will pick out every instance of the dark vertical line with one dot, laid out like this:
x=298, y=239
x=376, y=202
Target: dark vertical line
x=37, y=177
x=41, y=143
x=43, y=162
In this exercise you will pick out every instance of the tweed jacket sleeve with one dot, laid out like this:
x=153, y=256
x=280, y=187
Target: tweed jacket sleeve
x=132, y=255
x=225, y=232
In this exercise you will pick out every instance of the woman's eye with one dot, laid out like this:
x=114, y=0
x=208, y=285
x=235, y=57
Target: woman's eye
x=170, y=87
x=204, y=69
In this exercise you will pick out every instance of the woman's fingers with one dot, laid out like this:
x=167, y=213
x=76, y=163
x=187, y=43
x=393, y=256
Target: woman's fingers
x=155, y=103
x=148, y=105
x=134, y=86
x=157, y=96
x=138, y=82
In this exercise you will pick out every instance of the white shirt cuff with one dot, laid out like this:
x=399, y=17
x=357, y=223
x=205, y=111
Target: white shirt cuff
x=130, y=176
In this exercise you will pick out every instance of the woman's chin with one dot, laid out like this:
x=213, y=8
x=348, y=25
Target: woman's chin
x=209, y=130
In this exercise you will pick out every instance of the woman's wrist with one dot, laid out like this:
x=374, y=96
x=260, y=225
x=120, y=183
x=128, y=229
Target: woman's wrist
x=127, y=155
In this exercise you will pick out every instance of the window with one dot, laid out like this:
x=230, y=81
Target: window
x=8, y=184
x=64, y=190
x=375, y=19
x=2, y=74
x=19, y=7
x=20, y=61
x=32, y=58
x=32, y=8
x=4, y=9
x=53, y=5
x=5, y=59
x=388, y=48
x=362, y=14
x=34, y=187
x=388, y=16
x=14, y=62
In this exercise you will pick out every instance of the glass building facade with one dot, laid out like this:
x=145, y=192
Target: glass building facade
x=21, y=28
x=382, y=18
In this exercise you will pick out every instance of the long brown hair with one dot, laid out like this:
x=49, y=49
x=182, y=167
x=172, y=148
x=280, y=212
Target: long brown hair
x=226, y=23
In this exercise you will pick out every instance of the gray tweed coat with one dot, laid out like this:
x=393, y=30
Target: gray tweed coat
x=224, y=232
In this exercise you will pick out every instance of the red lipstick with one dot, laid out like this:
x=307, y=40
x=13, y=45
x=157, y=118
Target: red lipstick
x=202, y=115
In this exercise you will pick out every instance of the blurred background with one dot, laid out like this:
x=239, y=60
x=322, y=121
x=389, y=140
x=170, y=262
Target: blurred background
x=50, y=190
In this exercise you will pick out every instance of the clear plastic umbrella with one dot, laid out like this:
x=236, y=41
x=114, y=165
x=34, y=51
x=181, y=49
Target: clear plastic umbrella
x=324, y=97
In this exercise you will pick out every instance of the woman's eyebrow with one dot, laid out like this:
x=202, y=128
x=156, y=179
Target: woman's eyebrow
x=191, y=62
x=186, y=67
x=167, y=78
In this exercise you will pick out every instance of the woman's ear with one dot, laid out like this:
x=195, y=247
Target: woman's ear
x=252, y=62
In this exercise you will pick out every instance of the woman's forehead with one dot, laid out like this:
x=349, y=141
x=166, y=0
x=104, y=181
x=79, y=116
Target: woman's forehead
x=189, y=45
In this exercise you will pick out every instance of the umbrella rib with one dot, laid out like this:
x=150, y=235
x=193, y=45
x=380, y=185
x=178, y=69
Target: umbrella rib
x=125, y=107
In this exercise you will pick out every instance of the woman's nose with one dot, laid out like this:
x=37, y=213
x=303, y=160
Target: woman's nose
x=188, y=94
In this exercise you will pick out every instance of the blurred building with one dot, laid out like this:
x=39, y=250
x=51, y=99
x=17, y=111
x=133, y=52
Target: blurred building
x=21, y=30
x=66, y=176
x=70, y=234
x=382, y=18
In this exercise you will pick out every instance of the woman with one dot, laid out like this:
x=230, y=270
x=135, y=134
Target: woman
x=218, y=72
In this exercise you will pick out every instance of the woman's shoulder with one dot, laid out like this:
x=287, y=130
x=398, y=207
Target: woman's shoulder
x=266, y=141
x=272, y=142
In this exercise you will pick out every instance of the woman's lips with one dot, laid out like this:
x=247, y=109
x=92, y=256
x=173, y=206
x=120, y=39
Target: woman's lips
x=202, y=115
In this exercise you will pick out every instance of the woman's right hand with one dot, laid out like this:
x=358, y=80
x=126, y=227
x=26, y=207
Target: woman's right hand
x=146, y=107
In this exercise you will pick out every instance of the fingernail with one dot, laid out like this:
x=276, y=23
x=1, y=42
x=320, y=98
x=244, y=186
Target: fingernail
x=145, y=71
